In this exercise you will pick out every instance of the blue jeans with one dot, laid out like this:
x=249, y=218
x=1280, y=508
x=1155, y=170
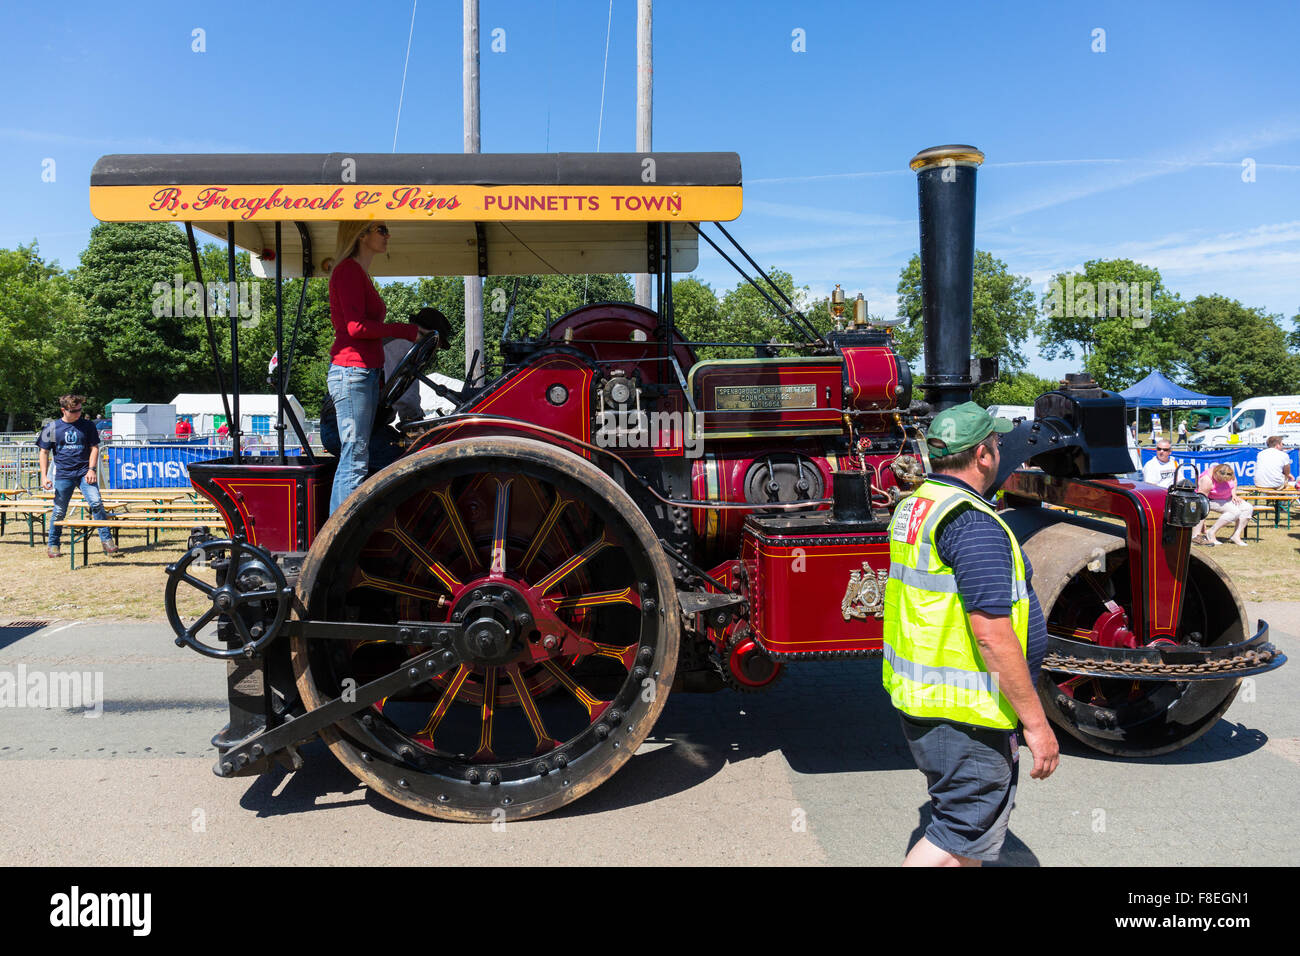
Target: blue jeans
x=63, y=489
x=356, y=397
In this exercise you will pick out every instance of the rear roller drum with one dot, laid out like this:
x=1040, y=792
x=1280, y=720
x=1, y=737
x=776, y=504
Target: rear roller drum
x=1081, y=575
x=569, y=620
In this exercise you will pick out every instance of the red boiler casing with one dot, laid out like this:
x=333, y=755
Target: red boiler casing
x=815, y=585
x=875, y=378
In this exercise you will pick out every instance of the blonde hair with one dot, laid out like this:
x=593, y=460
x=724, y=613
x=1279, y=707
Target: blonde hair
x=346, y=241
x=1222, y=471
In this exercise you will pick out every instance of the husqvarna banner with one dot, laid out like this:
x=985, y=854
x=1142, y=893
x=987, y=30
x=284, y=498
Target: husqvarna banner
x=1192, y=463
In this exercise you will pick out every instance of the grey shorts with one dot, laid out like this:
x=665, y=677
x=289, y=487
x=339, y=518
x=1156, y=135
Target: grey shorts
x=972, y=774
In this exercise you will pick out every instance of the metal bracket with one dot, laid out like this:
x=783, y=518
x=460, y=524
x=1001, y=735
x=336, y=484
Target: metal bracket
x=652, y=250
x=305, y=236
x=480, y=239
x=718, y=609
x=403, y=632
x=261, y=747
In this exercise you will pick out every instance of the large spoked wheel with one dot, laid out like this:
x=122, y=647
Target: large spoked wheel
x=1083, y=567
x=566, y=600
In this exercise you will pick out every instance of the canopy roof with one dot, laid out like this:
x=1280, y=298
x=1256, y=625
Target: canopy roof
x=525, y=213
x=1156, y=391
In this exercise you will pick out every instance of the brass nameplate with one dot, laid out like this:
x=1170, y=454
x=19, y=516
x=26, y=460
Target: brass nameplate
x=749, y=397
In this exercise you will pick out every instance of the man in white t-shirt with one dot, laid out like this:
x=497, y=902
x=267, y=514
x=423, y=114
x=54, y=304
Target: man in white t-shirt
x=1162, y=469
x=1273, y=467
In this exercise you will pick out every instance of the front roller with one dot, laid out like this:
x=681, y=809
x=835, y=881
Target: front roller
x=566, y=614
x=1081, y=578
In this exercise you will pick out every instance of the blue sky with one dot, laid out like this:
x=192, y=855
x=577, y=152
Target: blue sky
x=1136, y=151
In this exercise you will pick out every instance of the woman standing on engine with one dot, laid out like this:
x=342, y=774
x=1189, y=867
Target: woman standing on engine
x=357, y=355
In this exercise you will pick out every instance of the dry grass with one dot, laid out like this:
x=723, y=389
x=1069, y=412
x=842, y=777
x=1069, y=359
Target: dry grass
x=130, y=587
x=1264, y=570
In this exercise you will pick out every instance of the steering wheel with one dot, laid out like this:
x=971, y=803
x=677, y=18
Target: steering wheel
x=412, y=368
x=419, y=358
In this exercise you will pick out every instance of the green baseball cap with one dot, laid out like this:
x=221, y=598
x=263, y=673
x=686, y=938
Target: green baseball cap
x=961, y=427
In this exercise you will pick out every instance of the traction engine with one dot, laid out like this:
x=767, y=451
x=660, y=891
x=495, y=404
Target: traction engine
x=494, y=622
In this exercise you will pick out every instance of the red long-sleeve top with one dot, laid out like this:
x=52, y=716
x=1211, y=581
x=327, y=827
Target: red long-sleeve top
x=357, y=312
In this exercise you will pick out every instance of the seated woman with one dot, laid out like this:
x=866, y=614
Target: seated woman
x=357, y=356
x=1219, y=484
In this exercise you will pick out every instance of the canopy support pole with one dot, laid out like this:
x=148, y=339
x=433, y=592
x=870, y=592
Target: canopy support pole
x=768, y=279
x=286, y=364
x=207, y=319
x=805, y=330
x=236, y=435
x=666, y=294
x=279, y=348
x=305, y=236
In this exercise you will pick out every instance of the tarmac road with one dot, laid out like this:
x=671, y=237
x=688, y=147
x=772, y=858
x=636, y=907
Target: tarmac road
x=815, y=771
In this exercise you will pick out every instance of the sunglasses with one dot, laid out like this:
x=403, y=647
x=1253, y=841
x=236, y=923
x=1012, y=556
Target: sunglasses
x=382, y=230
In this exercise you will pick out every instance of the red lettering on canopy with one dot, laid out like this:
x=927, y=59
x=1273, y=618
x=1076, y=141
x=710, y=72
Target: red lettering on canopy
x=168, y=198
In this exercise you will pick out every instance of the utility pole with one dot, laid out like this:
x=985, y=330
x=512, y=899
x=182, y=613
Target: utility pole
x=474, y=283
x=644, y=104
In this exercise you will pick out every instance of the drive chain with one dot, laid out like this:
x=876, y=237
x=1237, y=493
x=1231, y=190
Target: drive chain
x=1247, y=660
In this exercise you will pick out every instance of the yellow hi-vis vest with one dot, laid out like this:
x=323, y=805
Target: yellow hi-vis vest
x=932, y=664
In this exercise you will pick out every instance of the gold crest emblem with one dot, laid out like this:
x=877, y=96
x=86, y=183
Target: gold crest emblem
x=865, y=594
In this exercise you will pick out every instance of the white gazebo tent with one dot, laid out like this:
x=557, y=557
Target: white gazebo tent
x=257, y=413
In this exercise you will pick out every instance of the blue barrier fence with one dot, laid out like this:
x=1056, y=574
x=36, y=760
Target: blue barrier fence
x=1192, y=463
x=165, y=466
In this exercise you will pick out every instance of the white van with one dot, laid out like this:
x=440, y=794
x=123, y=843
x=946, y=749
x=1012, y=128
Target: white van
x=1254, y=420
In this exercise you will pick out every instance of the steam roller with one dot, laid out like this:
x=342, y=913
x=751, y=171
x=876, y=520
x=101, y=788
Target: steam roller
x=1083, y=584
x=490, y=626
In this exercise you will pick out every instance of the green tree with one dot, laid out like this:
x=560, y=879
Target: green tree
x=1002, y=314
x=1229, y=349
x=447, y=295
x=697, y=312
x=745, y=315
x=39, y=358
x=1018, y=388
x=540, y=299
x=1102, y=313
x=310, y=363
x=144, y=347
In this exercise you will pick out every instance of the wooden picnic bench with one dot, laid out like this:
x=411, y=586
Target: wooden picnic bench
x=82, y=529
x=1276, y=503
x=35, y=510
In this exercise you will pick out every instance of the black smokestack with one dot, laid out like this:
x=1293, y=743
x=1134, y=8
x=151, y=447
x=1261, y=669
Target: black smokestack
x=945, y=183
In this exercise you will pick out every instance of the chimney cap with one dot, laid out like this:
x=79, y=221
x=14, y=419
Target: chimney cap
x=943, y=155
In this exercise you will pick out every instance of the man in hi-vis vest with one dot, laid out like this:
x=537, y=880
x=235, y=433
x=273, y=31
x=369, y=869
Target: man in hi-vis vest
x=964, y=639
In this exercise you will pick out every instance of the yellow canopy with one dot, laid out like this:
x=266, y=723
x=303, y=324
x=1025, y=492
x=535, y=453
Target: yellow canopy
x=526, y=213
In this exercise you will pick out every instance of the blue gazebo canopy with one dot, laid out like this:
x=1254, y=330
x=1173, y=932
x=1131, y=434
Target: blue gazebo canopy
x=1156, y=391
